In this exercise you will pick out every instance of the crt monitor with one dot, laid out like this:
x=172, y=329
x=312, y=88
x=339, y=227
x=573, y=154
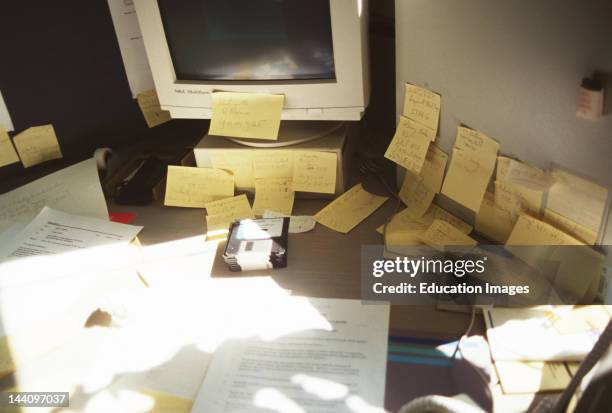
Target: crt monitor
x=312, y=51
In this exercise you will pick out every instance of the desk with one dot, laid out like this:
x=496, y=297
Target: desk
x=321, y=263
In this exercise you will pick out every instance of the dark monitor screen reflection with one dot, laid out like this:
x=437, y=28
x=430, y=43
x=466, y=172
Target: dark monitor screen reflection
x=249, y=39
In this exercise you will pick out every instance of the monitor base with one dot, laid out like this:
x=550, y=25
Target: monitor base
x=294, y=132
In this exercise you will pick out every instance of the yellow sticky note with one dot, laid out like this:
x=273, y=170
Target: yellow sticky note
x=274, y=194
x=36, y=145
x=409, y=145
x=423, y=106
x=7, y=151
x=272, y=164
x=239, y=163
x=416, y=195
x=441, y=214
x=527, y=176
x=345, y=212
x=532, y=376
x=531, y=231
x=314, y=171
x=246, y=115
x=572, y=228
x=577, y=199
x=471, y=168
x=441, y=233
x=221, y=213
x=433, y=168
x=166, y=403
x=194, y=187
x=151, y=109
x=494, y=222
x=531, y=199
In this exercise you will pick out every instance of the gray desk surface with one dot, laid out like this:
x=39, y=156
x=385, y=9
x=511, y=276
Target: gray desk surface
x=321, y=263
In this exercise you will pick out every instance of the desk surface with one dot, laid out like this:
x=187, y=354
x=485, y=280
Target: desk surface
x=321, y=263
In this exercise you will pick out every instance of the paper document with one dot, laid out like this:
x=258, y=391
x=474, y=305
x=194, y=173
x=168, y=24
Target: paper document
x=507, y=329
x=151, y=109
x=37, y=144
x=336, y=364
x=57, y=244
x=131, y=45
x=345, y=212
x=194, y=187
x=471, y=168
x=246, y=115
x=315, y=171
x=422, y=106
x=409, y=145
x=5, y=117
x=7, y=150
x=75, y=189
x=297, y=223
x=275, y=194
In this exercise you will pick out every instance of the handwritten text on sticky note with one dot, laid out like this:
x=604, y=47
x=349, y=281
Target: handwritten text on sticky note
x=195, y=187
x=37, y=144
x=314, y=171
x=246, y=115
x=423, y=106
x=409, y=145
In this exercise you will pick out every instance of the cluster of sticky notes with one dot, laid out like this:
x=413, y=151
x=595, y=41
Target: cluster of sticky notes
x=246, y=115
x=151, y=108
x=471, y=168
x=37, y=144
x=195, y=187
x=348, y=210
x=220, y=214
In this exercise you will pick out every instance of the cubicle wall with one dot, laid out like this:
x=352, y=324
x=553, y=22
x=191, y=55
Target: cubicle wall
x=513, y=69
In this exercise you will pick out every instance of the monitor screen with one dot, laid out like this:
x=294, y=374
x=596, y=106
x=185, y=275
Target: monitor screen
x=249, y=39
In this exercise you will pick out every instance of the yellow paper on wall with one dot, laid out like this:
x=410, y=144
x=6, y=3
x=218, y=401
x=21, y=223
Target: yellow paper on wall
x=347, y=211
x=314, y=171
x=422, y=106
x=531, y=199
x=471, y=168
x=274, y=194
x=239, y=163
x=246, y=115
x=36, y=145
x=433, y=168
x=567, y=225
x=577, y=199
x=151, y=108
x=220, y=214
x=7, y=151
x=272, y=164
x=531, y=231
x=440, y=233
x=494, y=222
x=194, y=187
x=416, y=195
x=409, y=145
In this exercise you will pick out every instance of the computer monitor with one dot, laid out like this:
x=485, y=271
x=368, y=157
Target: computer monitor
x=315, y=52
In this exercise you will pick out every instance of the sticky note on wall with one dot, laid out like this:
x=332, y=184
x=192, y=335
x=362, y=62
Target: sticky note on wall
x=422, y=106
x=409, y=145
x=314, y=171
x=7, y=151
x=37, y=144
x=195, y=187
x=471, y=168
x=246, y=115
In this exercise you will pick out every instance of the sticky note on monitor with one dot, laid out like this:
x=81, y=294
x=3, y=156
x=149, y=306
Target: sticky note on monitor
x=7, y=151
x=195, y=187
x=314, y=171
x=348, y=210
x=422, y=106
x=151, y=109
x=246, y=115
x=37, y=144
